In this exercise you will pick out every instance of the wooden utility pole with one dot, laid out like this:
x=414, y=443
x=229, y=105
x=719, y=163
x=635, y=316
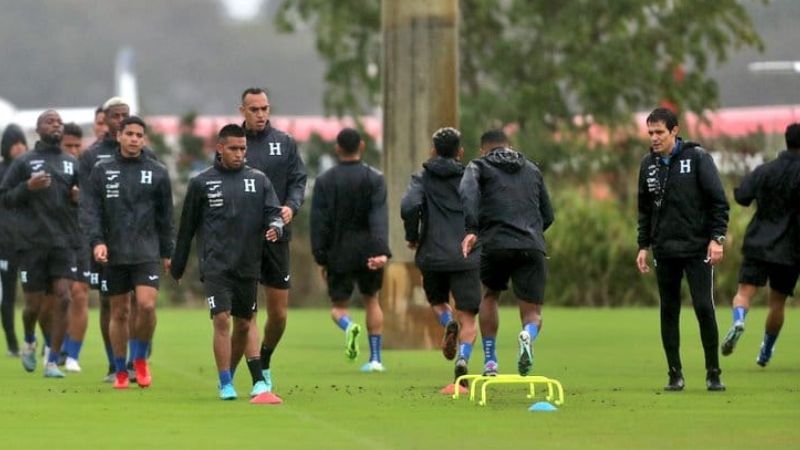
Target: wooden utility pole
x=420, y=95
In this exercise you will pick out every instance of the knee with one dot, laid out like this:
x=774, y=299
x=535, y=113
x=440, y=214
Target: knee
x=222, y=322
x=120, y=314
x=146, y=307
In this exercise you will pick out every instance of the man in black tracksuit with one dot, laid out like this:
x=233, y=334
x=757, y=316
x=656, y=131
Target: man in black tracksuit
x=232, y=208
x=771, y=242
x=507, y=208
x=126, y=211
x=349, y=239
x=434, y=223
x=41, y=185
x=683, y=217
x=274, y=153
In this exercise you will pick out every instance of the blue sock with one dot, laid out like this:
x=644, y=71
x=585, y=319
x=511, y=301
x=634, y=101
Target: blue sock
x=488, y=350
x=465, y=350
x=72, y=347
x=532, y=330
x=110, y=355
x=375, y=347
x=65, y=343
x=739, y=313
x=142, y=350
x=769, y=341
x=445, y=317
x=225, y=377
x=30, y=338
x=120, y=364
x=344, y=322
x=133, y=349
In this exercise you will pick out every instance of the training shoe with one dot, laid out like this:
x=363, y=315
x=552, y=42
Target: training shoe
x=490, y=369
x=351, y=341
x=110, y=377
x=460, y=370
x=713, y=383
x=730, y=340
x=227, y=392
x=525, y=358
x=373, y=366
x=29, y=356
x=450, y=340
x=259, y=388
x=675, y=382
x=51, y=370
x=121, y=380
x=764, y=355
x=143, y=378
x=71, y=365
x=267, y=374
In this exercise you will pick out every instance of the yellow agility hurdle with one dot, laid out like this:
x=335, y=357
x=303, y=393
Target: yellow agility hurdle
x=555, y=391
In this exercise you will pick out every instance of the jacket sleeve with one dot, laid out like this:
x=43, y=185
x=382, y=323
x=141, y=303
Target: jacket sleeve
x=14, y=188
x=545, y=207
x=711, y=184
x=85, y=167
x=164, y=226
x=470, y=192
x=645, y=209
x=272, y=208
x=411, y=207
x=379, y=218
x=91, y=215
x=296, y=179
x=320, y=224
x=191, y=217
x=746, y=192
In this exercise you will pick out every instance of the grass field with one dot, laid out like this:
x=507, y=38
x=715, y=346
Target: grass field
x=609, y=361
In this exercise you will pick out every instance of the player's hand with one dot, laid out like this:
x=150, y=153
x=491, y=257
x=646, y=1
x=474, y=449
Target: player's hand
x=167, y=262
x=377, y=262
x=467, y=244
x=74, y=194
x=286, y=214
x=271, y=235
x=641, y=261
x=38, y=181
x=100, y=253
x=715, y=253
x=411, y=245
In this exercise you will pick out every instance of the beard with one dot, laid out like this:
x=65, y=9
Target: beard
x=52, y=138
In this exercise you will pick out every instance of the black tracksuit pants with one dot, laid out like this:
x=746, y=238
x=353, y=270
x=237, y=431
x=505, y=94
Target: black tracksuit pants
x=700, y=276
x=8, y=286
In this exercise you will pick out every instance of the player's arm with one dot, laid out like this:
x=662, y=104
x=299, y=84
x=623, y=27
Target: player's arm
x=14, y=189
x=411, y=207
x=272, y=212
x=470, y=192
x=745, y=193
x=645, y=209
x=191, y=217
x=379, y=219
x=90, y=211
x=711, y=184
x=320, y=222
x=545, y=206
x=296, y=179
x=164, y=225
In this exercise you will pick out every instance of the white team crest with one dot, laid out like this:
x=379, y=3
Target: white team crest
x=686, y=165
x=68, y=169
x=274, y=149
x=147, y=177
x=249, y=184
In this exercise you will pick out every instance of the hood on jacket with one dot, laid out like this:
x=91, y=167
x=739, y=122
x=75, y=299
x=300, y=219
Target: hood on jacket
x=444, y=167
x=11, y=135
x=506, y=159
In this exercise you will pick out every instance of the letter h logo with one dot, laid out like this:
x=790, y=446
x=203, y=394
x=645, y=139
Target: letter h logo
x=147, y=177
x=274, y=149
x=249, y=184
x=686, y=166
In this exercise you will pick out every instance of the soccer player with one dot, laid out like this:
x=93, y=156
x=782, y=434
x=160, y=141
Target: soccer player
x=770, y=243
x=683, y=217
x=232, y=208
x=507, y=208
x=434, y=224
x=42, y=185
x=275, y=153
x=349, y=239
x=13, y=145
x=126, y=211
x=99, y=126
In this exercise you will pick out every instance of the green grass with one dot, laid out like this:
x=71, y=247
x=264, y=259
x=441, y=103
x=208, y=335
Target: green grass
x=609, y=361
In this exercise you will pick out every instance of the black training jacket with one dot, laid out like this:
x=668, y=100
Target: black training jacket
x=127, y=205
x=275, y=153
x=682, y=205
x=349, y=220
x=434, y=217
x=506, y=202
x=772, y=234
x=9, y=220
x=42, y=215
x=103, y=149
x=230, y=210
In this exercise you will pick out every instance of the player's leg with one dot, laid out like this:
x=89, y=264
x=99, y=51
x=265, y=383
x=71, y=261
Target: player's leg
x=77, y=321
x=119, y=332
x=782, y=280
x=494, y=274
x=58, y=329
x=669, y=273
x=222, y=348
x=437, y=290
x=529, y=279
x=369, y=284
x=275, y=277
x=244, y=311
x=340, y=288
x=700, y=276
x=133, y=343
x=45, y=321
x=145, y=328
x=752, y=275
x=8, y=294
x=466, y=289
x=33, y=277
x=97, y=281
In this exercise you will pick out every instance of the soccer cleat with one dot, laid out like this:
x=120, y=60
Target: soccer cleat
x=730, y=340
x=460, y=370
x=259, y=388
x=267, y=374
x=713, y=382
x=525, y=358
x=227, y=392
x=764, y=355
x=373, y=366
x=351, y=341
x=490, y=369
x=450, y=340
x=71, y=365
x=121, y=380
x=143, y=378
x=51, y=370
x=29, y=356
x=675, y=382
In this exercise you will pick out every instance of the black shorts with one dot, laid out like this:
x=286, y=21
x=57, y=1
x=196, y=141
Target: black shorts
x=526, y=268
x=782, y=278
x=84, y=272
x=228, y=293
x=465, y=286
x=96, y=273
x=275, y=265
x=121, y=279
x=340, y=284
x=38, y=268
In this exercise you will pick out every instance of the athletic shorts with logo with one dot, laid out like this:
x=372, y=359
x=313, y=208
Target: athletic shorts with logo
x=123, y=278
x=83, y=274
x=38, y=268
x=464, y=285
x=275, y=265
x=527, y=270
x=341, y=284
x=782, y=278
x=226, y=293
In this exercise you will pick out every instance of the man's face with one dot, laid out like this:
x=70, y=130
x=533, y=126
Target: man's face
x=131, y=139
x=255, y=110
x=71, y=144
x=232, y=151
x=661, y=139
x=115, y=115
x=100, y=128
x=50, y=128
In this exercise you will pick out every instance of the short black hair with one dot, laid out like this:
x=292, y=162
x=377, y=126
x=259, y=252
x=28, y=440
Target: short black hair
x=495, y=136
x=132, y=120
x=793, y=136
x=99, y=110
x=13, y=134
x=447, y=142
x=663, y=115
x=230, y=130
x=349, y=140
x=253, y=91
x=73, y=129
